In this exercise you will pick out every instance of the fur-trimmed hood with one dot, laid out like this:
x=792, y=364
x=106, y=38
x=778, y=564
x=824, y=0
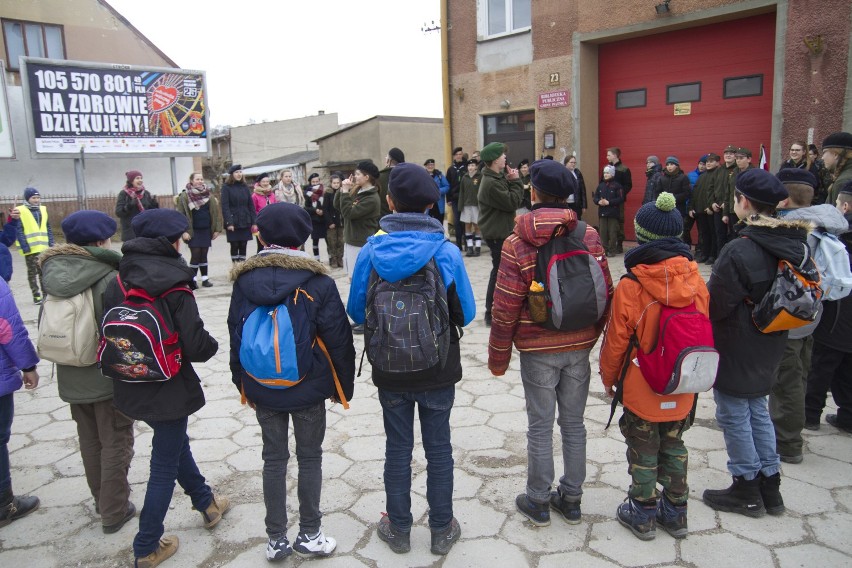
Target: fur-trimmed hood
x=268, y=278
x=69, y=269
x=782, y=238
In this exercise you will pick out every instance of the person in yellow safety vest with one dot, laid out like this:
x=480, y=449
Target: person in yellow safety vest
x=34, y=236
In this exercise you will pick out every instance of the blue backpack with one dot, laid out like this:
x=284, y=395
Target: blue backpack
x=277, y=355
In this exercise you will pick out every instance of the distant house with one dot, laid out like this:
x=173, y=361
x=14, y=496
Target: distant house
x=301, y=164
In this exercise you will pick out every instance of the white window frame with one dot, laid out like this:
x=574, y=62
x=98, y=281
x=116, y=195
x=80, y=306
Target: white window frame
x=482, y=21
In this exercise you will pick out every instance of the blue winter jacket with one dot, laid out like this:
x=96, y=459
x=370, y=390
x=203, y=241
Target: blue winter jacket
x=411, y=239
x=443, y=187
x=266, y=280
x=7, y=239
x=16, y=350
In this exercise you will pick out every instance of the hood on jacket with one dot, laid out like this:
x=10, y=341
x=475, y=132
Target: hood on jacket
x=537, y=226
x=153, y=265
x=825, y=217
x=268, y=278
x=411, y=240
x=782, y=238
x=656, y=168
x=69, y=269
x=673, y=282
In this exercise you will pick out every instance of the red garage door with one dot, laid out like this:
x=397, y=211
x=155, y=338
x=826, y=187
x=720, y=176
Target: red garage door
x=720, y=74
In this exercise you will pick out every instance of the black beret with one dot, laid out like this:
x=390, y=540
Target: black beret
x=313, y=175
x=797, y=175
x=841, y=140
x=846, y=188
x=761, y=186
x=472, y=161
x=284, y=224
x=429, y=161
x=552, y=178
x=261, y=176
x=234, y=168
x=412, y=185
x=369, y=168
x=87, y=226
x=155, y=223
x=396, y=155
x=522, y=162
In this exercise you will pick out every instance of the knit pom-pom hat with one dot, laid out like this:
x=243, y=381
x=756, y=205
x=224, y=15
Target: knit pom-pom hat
x=658, y=220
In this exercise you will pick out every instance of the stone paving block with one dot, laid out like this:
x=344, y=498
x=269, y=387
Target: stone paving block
x=558, y=537
x=212, y=450
x=365, y=448
x=485, y=552
x=468, y=417
x=65, y=491
x=844, y=498
x=142, y=444
x=346, y=530
x=476, y=519
x=485, y=386
x=477, y=437
x=48, y=556
x=27, y=480
x=38, y=404
x=218, y=408
x=598, y=503
x=26, y=423
x=248, y=436
x=366, y=475
x=51, y=524
x=510, y=421
x=465, y=486
x=364, y=425
x=337, y=495
x=605, y=450
x=334, y=465
x=244, y=522
x=724, y=551
x=496, y=462
x=618, y=544
x=214, y=428
x=804, y=498
x=42, y=453
x=71, y=466
x=838, y=444
x=463, y=399
x=822, y=472
x=246, y=459
x=770, y=530
x=384, y=557
x=833, y=529
x=499, y=403
x=807, y=554
x=499, y=492
x=370, y=506
x=18, y=441
x=583, y=559
x=702, y=438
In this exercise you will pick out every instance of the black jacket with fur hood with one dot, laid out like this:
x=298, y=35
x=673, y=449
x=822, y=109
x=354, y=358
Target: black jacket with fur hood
x=266, y=280
x=742, y=274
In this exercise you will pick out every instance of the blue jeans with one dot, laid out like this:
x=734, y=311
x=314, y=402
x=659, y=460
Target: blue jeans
x=7, y=412
x=749, y=435
x=555, y=381
x=434, y=409
x=171, y=460
x=309, y=431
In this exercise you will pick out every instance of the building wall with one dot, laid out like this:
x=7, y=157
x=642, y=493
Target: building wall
x=357, y=143
x=419, y=140
x=268, y=140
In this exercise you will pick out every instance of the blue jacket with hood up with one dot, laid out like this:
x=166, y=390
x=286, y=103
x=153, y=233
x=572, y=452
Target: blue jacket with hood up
x=408, y=242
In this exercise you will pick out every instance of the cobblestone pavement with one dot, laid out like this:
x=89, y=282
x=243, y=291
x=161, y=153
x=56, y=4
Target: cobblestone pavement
x=489, y=428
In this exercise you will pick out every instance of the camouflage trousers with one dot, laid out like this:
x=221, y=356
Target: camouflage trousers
x=655, y=454
x=334, y=243
x=33, y=274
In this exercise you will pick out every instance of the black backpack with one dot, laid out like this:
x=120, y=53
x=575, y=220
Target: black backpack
x=407, y=324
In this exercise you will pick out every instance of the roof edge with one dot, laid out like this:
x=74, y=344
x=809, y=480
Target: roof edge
x=135, y=30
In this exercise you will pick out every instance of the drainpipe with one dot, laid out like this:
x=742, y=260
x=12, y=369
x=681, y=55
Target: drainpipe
x=445, y=81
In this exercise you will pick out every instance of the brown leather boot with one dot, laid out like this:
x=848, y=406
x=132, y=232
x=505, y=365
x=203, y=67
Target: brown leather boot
x=168, y=547
x=214, y=513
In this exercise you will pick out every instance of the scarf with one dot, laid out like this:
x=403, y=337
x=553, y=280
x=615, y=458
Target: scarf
x=136, y=194
x=316, y=192
x=198, y=196
x=656, y=251
x=289, y=193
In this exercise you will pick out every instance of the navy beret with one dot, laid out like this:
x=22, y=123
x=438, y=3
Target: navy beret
x=841, y=140
x=235, y=168
x=412, y=185
x=552, y=178
x=368, y=168
x=155, y=223
x=396, y=155
x=797, y=175
x=284, y=224
x=87, y=226
x=761, y=186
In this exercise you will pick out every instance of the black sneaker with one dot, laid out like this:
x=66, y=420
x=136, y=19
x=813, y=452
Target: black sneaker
x=443, y=541
x=833, y=421
x=814, y=426
x=537, y=513
x=278, y=549
x=128, y=514
x=398, y=541
x=569, y=509
x=206, y=283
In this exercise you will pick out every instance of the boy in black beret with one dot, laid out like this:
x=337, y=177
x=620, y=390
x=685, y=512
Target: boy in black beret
x=403, y=254
x=283, y=274
x=152, y=263
x=87, y=263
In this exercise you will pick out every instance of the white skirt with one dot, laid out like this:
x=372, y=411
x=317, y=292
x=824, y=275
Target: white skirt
x=350, y=256
x=470, y=214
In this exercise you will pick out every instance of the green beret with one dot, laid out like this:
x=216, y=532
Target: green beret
x=492, y=152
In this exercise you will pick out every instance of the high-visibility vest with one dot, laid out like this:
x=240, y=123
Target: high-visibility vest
x=34, y=234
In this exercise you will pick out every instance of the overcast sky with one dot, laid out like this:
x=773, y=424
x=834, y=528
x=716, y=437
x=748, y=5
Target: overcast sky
x=272, y=60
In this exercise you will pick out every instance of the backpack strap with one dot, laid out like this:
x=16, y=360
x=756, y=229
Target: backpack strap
x=337, y=384
x=619, y=384
x=141, y=293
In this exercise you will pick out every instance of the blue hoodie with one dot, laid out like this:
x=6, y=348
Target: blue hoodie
x=409, y=241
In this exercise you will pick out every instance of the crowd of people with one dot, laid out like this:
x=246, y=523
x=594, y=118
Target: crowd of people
x=411, y=296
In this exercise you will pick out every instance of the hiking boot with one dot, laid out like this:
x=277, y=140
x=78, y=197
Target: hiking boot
x=278, y=549
x=672, y=517
x=537, y=513
x=770, y=492
x=168, y=547
x=443, y=540
x=215, y=511
x=470, y=252
x=743, y=497
x=398, y=541
x=812, y=425
x=129, y=513
x=206, y=283
x=308, y=546
x=15, y=508
x=477, y=251
x=640, y=518
x=794, y=458
x=569, y=509
x=833, y=420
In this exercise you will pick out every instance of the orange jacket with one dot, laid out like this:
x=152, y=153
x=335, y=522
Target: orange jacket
x=636, y=305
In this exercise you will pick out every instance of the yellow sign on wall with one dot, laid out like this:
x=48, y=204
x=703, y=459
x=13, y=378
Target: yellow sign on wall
x=682, y=109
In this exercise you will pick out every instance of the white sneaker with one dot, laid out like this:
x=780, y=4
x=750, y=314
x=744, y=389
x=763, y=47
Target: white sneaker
x=278, y=549
x=317, y=545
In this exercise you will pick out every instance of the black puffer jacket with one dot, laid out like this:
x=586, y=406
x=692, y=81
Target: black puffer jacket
x=155, y=266
x=835, y=327
x=237, y=206
x=678, y=185
x=126, y=208
x=744, y=271
x=267, y=280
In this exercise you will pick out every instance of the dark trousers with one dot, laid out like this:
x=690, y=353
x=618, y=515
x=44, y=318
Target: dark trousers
x=787, y=399
x=721, y=232
x=656, y=454
x=435, y=213
x=706, y=234
x=829, y=369
x=620, y=228
x=106, y=446
x=458, y=226
x=7, y=412
x=688, y=222
x=496, y=248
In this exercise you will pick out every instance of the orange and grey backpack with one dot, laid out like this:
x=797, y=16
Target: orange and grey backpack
x=793, y=298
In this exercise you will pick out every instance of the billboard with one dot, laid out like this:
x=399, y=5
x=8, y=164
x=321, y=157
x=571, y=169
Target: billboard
x=103, y=108
x=7, y=143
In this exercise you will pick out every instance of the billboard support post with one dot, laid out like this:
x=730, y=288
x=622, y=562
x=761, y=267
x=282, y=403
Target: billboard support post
x=80, y=178
x=173, y=167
